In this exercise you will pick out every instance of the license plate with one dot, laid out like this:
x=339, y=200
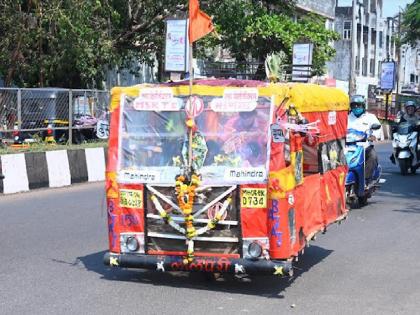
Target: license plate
x=254, y=198
x=130, y=198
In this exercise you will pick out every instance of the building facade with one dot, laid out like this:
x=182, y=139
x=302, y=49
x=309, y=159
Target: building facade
x=366, y=41
x=409, y=70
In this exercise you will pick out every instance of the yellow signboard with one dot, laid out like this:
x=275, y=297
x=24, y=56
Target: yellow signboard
x=130, y=198
x=253, y=198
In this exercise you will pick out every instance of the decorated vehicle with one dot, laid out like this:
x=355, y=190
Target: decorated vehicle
x=225, y=176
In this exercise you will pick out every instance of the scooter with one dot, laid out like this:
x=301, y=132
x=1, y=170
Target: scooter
x=358, y=190
x=405, y=147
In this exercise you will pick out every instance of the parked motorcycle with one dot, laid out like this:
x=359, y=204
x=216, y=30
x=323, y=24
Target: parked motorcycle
x=405, y=147
x=358, y=191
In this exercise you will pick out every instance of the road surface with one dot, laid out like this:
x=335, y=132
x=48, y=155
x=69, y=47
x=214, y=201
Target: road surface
x=52, y=244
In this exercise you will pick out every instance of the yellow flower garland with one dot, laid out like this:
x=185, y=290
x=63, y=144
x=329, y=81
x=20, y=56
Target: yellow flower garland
x=185, y=196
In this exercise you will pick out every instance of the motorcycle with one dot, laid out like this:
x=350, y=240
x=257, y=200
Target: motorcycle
x=405, y=147
x=358, y=190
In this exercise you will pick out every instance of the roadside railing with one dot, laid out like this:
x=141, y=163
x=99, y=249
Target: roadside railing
x=55, y=114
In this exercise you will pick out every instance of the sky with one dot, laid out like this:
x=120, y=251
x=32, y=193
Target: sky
x=390, y=7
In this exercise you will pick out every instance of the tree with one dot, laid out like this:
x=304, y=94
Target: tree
x=254, y=29
x=411, y=23
x=71, y=43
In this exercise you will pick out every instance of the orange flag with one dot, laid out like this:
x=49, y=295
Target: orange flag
x=200, y=23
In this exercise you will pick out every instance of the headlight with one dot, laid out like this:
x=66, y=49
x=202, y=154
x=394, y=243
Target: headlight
x=255, y=250
x=132, y=244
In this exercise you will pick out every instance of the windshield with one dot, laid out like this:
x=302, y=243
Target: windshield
x=229, y=147
x=405, y=128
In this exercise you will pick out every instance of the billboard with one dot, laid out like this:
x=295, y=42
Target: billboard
x=176, y=46
x=388, y=69
x=302, y=62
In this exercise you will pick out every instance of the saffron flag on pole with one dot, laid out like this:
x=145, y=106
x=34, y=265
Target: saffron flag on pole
x=200, y=22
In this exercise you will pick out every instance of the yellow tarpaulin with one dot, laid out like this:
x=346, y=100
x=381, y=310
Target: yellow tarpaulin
x=305, y=97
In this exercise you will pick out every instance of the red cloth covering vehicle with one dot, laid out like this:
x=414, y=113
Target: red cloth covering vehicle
x=235, y=178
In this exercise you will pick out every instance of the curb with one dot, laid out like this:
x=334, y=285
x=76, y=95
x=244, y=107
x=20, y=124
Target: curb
x=32, y=170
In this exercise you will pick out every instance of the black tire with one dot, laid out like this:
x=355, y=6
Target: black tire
x=362, y=201
x=352, y=203
x=405, y=165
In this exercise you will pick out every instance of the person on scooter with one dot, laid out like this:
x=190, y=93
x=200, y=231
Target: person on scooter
x=361, y=120
x=410, y=115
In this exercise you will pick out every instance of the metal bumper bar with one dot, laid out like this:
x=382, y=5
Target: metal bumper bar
x=200, y=264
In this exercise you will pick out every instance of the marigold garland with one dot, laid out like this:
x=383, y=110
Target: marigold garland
x=185, y=195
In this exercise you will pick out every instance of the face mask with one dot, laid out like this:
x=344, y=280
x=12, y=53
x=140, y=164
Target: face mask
x=358, y=111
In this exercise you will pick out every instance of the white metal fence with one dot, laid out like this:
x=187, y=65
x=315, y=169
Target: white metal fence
x=67, y=115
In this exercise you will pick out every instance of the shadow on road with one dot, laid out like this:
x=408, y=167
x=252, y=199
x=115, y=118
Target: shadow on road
x=271, y=287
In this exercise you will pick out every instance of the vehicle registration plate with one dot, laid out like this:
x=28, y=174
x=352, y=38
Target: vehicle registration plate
x=253, y=198
x=130, y=198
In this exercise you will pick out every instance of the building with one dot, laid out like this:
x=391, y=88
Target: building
x=324, y=8
x=409, y=69
x=366, y=41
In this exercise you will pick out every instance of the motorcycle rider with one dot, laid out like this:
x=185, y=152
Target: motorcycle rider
x=410, y=115
x=361, y=120
x=413, y=119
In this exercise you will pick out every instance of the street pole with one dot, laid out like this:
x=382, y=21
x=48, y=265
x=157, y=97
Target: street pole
x=353, y=48
x=386, y=106
x=190, y=135
x=398, y=62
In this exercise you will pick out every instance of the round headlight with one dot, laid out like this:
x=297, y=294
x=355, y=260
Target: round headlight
x=254, y=250
x=132, y=244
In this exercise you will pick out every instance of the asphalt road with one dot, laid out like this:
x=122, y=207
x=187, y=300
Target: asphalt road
x=52, y=243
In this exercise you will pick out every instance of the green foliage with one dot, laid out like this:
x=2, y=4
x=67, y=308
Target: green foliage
x=411, y=23
x=254, y=29
x=274, y=66
x=70, y=43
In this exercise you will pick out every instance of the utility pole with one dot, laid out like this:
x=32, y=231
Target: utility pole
x=398, y=62
x=353, y=53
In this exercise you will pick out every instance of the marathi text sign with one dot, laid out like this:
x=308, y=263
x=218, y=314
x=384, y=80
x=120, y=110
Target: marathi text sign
x=157, y=99
x=236, y=100
x=176, y=46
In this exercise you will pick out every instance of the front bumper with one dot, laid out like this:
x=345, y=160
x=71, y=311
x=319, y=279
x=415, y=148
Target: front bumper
x=200, y=264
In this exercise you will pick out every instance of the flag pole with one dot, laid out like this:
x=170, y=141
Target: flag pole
x=190, y=136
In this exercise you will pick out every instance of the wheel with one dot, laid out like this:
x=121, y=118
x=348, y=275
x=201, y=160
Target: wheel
x=362, y=201
x=413, y=169
x=404, y=165
x=351, y=199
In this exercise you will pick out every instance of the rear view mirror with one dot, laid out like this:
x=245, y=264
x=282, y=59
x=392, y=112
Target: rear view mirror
x=375, y=127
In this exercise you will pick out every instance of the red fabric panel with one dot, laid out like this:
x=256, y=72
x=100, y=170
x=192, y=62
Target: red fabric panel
x=329, y=132
x=308, y=201
x=111, y=165
x=131, y=219
x=333, y=194
x=279, y=235
x=295, y=142
x=113, y=209
x=113, y=226
x=254, y=220
x=277, y=160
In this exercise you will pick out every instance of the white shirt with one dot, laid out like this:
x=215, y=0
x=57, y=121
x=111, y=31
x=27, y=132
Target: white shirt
x=364, y=123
